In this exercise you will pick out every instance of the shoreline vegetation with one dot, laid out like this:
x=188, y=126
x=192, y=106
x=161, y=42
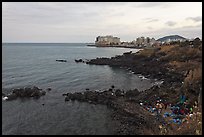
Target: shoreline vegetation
x=173, y=107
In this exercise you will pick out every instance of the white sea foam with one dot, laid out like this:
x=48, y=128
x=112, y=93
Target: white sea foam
x=5, y=98
x=142, y=77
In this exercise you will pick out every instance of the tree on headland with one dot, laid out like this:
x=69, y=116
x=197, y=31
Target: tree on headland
x=185, y=43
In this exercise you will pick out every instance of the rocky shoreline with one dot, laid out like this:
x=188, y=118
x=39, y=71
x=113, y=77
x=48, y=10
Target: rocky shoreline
x=131, y=117
x=138, y=64
x=178, y=68
x=174, y=65
x=126, y=108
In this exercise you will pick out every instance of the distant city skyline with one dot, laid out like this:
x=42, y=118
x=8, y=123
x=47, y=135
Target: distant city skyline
x=79, y=22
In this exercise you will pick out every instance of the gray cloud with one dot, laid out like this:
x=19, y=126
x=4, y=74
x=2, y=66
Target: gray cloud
x=83, y=21
x=192, y=27
x=148, y=20
x=195, y=19
x=150, y=28
x=170, y=23
x=51, y=14
x=153, y=4
x=187, y=32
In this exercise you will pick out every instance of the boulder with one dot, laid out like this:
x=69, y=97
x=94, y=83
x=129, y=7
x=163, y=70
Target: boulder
x=43, y=93
x=78, y=60
x=67, y=99
x=64, y=94
x=112, y=86
x=49, y=89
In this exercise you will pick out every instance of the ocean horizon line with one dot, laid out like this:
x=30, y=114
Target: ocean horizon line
x=46, y=42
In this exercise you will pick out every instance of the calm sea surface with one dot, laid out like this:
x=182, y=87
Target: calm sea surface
x=35, y=65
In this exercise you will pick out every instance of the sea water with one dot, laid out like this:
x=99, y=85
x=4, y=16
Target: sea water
x=34, y=64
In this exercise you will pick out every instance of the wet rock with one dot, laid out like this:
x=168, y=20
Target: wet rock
x=67, y=98
x=78, y=60
x=127, y=53
x=65, y=94
x=112, y=86
x=49, y=89
x=17, y=91
x=25, y=92
x=61, y=60
x=35, y=94
x=12, y=96
x=43, y=93
x=91, y=97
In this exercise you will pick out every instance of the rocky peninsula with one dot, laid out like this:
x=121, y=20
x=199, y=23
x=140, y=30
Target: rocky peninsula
x=181, y=71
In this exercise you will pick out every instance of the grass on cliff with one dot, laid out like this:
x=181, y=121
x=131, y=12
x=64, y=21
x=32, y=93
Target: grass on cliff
x=185, y=60
x=147, y=52
x=182, y=54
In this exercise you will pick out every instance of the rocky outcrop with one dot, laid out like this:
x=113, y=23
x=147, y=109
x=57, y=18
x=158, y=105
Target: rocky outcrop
x=148, y=66
x=61, y=60
x=81, y=60
x=49, y=89
x=34, y=92
x=91, y=96
x=78, y=60
x=133, y=120
x=131, y=117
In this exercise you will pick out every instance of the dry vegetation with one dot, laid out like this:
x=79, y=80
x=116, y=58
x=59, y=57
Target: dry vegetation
x=185, y=60
x=182, y=54
x=147, y=52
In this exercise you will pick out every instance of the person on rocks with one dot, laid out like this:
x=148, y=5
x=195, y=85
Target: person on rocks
x=159, y=106
x=182, y=98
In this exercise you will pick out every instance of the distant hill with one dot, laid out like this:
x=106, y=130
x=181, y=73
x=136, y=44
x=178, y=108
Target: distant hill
x=171, y=38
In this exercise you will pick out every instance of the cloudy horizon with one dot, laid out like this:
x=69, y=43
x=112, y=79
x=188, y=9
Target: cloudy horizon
x=84, y=21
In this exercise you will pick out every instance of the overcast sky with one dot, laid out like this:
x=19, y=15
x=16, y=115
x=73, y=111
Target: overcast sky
x=84, y=21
